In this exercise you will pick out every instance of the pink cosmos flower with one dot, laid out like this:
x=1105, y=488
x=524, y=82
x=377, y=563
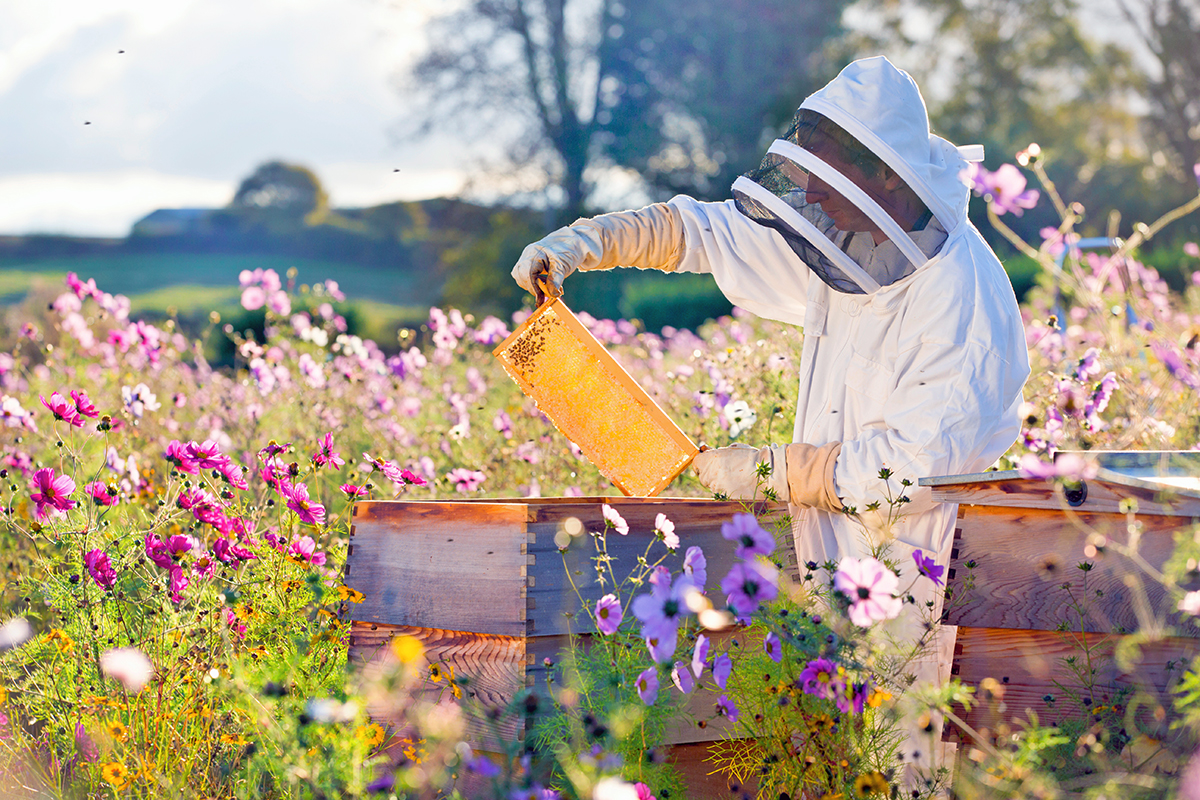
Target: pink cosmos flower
x=1003, y=189
x=51, y=493
x=665, y=530
x=206, y=455
x=750, y=584
x=305, y=549
x=177, y=454
x=85, y=747
x=870, y=587
x=179, y=582
x=229, y=551
x=750, y=537
x=102, y=494
x=234, y=475
x=1066, y=465
x=83, y=405
x=298, y=500
x=129, y=666
x=352, y=491
x=613, y=517
x=62, y=409
x=643, y=791
x=647, y=685
x=156, y=551
x=1190, y=604
x=465, y=480
x=100, y=568
x=727, y=708
x=608, y=614
x=326, y=454
x=410, y=477
x=253, y=298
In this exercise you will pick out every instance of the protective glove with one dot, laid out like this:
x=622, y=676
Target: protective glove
x=801, y=474
x=651, y=238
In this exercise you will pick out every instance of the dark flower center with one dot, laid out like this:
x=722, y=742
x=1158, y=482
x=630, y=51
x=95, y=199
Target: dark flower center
x=863, y=593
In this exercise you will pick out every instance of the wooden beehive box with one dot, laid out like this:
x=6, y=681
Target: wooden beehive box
x=484, y=586
x=1014, y=580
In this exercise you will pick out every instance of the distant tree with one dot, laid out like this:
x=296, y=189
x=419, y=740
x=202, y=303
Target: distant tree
x=679, y=92
x=279, y=196
x=1170, y=32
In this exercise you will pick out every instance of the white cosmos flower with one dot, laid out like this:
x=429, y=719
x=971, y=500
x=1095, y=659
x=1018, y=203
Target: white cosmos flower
x=740, y=417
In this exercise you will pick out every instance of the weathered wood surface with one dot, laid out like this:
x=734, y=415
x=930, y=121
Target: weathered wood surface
x=1102, y=496
x=1023, y=557
x=1029, y=665
x=440, y=565
x=495, y=665
x=558, y=581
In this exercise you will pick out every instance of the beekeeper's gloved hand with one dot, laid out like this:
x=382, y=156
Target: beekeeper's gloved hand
x=651, y=238
x=801, y=474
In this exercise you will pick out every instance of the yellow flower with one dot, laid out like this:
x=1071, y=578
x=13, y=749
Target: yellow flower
x=3, y=694
x=244, y=611
x=371, y=735
x=115, y=774
x=346, y=593
x=117, y=730
x=877, y=698
x=292, y=585
x=236, y=741
x=412, y=750
x=435, y=673
x=871, y=783
x=64, y=642
x=407, y=648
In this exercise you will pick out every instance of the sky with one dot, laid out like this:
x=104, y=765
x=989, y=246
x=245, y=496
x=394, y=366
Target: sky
x=114, y=108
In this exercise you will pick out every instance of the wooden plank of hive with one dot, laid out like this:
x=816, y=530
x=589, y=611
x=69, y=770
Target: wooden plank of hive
x=700, y=775
x=450, y=566
x=1102, y=496
x=1024, y=556
x=495, y=665
x=1028, y=664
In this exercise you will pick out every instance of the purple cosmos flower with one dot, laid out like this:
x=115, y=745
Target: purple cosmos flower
x=695, y=566
x=722, y=666
x=859, y=692
x=750, y=537
x=1175, y=364
x=665, y=530
x=483, y=766
x=681, y=676
x=1196, y=172
x=100, y=493
x=1089, y=365
x=817, y=677
x=726, y=708
x=869, y=585
x=928, y=567
x=326, y=454
x=83, y=405
x=1004, y=189
x=773, y=647
x=608, y=614
x=100, y=568
x=748, y=585
x=465, y=480
x=51, y=493
x=662, y=644
x=62, y=409
x=663, y=608
x=613, y=517
x=647, y=685
x=699, y=655
x=84, y=746
x=310, y=512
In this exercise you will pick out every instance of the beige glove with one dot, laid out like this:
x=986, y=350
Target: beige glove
x=651, y=238
x=799, y=473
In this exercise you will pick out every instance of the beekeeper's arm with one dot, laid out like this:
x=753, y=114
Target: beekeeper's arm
x=650, y=238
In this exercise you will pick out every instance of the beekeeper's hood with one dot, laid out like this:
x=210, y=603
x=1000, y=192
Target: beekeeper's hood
x=881, y=107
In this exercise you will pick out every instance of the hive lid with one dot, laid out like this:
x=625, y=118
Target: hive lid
x=594, y=401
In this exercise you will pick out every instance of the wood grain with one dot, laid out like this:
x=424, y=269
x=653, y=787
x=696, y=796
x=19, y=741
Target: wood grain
x=1025, y=557
x=1101, y=497
x=451, y=566
x=1029, y=665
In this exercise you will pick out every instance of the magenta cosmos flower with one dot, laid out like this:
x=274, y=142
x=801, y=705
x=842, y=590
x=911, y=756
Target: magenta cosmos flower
x=818, y=678
x=869, y=585
x=83, y=404
x=465, y=480
x=298, y=500
x=608, y=614
x=62, y=409
x=102, y=494
x=51, y=493
x=326, y=454
x=100, y=568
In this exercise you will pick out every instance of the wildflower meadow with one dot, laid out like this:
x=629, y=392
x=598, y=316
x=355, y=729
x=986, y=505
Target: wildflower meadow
x=173, y=607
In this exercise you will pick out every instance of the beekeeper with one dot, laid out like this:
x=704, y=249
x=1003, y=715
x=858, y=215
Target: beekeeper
x=854, y=227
